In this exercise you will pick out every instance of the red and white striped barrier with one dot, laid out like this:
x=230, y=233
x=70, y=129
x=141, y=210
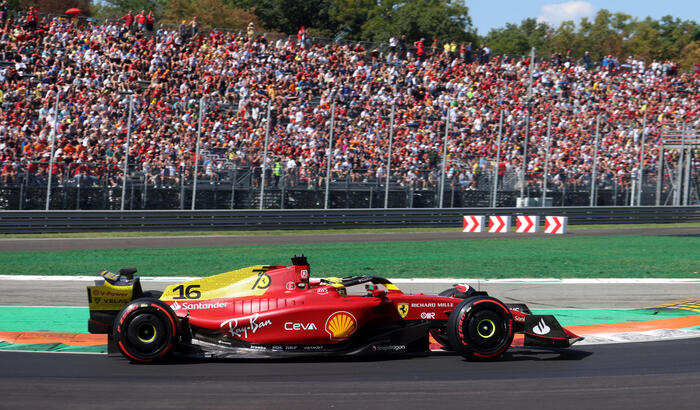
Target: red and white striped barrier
x=474, y=223
x=527, y=223
x=555, y=224
x=499, y=223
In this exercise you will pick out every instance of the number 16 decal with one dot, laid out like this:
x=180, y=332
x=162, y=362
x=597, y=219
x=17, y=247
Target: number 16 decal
x=191, y=292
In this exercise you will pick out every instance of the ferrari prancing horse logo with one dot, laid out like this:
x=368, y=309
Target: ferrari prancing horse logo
x=403, y=309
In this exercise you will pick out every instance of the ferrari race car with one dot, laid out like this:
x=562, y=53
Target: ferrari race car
x=280, y=311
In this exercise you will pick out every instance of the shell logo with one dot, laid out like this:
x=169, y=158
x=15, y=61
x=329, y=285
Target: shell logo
x=340, y=325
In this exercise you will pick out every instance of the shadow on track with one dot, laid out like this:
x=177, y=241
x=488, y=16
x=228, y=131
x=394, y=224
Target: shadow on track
x=515, y=355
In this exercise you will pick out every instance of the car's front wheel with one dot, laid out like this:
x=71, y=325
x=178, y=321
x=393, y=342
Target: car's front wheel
x=480, y=328
x=146, y=330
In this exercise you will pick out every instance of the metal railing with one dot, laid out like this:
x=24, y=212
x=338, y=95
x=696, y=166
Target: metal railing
x=94, y=221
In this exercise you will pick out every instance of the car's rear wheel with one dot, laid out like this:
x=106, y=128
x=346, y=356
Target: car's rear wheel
x=480, y=328
x=146, y=330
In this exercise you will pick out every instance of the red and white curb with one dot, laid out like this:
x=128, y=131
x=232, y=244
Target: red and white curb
x=555, y=224
x=499, y=223
x=473, y=223
x=527, y=223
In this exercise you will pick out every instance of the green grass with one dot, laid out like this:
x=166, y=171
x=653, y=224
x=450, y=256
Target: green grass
x=551, y=257
x=138, y=234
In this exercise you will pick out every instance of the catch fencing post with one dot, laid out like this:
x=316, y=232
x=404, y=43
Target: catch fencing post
x=444, y=156
x=388, y=163
x=688, y=158
x=659, y=174
x=53, y=140
x=264, y=161
x=679, y=169
x=546, y=161
x=527, y=127
x=126, y=153
x=498, y=161
x=641, y=161
x=196, y=153
x=330, y=155
x=594, y=171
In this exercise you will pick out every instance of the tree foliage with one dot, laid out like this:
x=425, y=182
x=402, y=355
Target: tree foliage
x=445, y=20
x=287, y=16
x=210, y=13
x=52, y=6
x=118, y=8
x=608, y=33
x=618, y=34
x=371, y=20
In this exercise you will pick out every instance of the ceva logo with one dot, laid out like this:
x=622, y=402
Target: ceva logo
x=341, y=325
x=299, y=326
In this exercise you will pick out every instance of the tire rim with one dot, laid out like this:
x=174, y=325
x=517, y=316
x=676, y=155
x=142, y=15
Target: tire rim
x=146, y=332
x=486, y=328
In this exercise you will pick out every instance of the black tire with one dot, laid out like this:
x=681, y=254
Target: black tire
x=440, y=333
x=480, y=328
x=146, y=330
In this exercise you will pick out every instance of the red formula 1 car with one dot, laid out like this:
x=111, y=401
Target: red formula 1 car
x=278, y=311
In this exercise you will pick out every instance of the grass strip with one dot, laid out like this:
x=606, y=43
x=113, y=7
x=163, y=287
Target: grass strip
x=584, y=317
x=44, y=319
x=456, y=228
x=552, y=257
x=53, y=347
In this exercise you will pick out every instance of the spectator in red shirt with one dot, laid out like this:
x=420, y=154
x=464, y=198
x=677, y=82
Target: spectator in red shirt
x=32, y=19
x=141, y=20
x=420, y=48
x=149, y=21
x=128, y=20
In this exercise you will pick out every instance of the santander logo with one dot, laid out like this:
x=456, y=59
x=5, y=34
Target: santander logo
x=198, y=305
x=541, y=328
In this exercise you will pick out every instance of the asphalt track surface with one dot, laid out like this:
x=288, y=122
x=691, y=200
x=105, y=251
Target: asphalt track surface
x=648, y=375
x=637, y=375
x=58, y=244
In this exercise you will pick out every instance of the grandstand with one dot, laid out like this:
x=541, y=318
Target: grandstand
x=92, y=71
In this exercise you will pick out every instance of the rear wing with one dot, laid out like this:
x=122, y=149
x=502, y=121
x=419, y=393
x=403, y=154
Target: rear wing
x=109, y=295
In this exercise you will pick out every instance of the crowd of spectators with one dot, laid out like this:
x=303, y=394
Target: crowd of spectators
x=94, y=66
